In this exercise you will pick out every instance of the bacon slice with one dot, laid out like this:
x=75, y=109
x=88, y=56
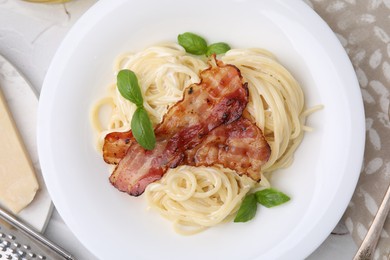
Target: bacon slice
x=219, y=98
x=239, y=146
x=116, y=145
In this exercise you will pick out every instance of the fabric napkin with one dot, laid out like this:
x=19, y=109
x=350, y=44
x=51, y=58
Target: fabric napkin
x=363, y=28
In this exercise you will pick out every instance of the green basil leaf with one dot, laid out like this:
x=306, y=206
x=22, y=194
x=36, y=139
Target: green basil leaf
x=271, y=197
x=247, y=210
x=192, y=43
x=217, y=48
x=142, y=129
x=127, y=83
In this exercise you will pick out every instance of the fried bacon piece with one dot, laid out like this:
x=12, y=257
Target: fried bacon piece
x=219, y=98
x=239, y=146
x=116, y=145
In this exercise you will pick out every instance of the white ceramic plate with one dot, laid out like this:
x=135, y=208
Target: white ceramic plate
x=23, y=104
x=114, y=225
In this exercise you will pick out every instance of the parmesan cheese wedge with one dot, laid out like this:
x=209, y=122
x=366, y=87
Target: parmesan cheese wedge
x=18, y=182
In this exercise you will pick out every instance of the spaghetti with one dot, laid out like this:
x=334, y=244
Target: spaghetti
x=195, y=198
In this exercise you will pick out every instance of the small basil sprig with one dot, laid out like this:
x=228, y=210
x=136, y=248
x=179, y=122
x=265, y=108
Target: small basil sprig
x=247, y=210
x=267, y=197
x=128, y=87
x=141, y=126
x=197, y=45
x=217, y=48
x=271, y=197
x=192, y=43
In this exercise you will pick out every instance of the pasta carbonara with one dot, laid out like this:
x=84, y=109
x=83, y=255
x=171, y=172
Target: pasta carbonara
x=195, y=198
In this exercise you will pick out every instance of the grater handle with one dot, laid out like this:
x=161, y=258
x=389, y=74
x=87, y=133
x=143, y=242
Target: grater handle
x=13, y=221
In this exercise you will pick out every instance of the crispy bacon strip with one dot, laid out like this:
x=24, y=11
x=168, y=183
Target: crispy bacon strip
x=239, y=146
x=116, y=145
x=219, y=98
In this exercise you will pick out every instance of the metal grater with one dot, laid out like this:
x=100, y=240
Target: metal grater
x=16, y=246
x=19, y=241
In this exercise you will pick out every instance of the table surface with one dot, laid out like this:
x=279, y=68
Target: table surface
x=29, y=37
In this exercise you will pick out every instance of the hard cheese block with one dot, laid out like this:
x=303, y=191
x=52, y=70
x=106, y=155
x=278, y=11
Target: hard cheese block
x=18, y=183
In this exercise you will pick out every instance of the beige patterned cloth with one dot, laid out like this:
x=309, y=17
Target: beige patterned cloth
x=363, y=28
